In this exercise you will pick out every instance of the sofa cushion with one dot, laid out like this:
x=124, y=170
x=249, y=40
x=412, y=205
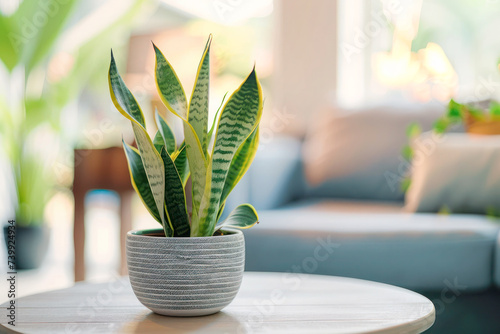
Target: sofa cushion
x=356, y=154
x=274, y=178
x=416, y=251
x=458, y=171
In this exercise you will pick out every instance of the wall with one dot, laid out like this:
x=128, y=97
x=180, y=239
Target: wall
x=305, y=57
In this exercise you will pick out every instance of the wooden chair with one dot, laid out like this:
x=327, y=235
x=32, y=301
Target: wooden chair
x=100, y=169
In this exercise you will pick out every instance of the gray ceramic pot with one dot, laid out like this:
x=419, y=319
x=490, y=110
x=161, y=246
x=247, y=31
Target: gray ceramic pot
x=185, y=276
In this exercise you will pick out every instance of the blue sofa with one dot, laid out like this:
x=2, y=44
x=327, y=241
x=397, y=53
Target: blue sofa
x=453, y=259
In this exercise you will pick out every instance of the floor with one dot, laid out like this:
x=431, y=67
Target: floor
x=101, y=246
x=469, y=313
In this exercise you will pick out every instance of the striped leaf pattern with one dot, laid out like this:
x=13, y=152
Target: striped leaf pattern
x=238, y=119
x=139, y=180
x=166, y=133
x=158, y=142
x=122, y=98
x=175, y=200
x=216, y=118
x=221, y=210
x=168, y=84
x=153, y=165
x=125, y=102
x=241, y=162
x=197, y=166
x=159, y=170
x=181, y=163
x=198, y=105
x=243, y=217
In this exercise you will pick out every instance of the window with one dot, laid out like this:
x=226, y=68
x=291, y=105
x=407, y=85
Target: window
x=418, y=50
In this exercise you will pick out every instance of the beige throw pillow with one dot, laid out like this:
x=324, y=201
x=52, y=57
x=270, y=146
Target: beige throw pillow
x=459, y=172
x=357, y=153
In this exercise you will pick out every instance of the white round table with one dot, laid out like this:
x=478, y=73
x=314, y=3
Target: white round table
x=266, y=303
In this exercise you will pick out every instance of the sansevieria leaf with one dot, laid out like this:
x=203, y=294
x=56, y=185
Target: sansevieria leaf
x=181, y=163
x=221, y=210
x=172, y=95
x=139, y=180
x=238, y=120
x=122, y=98
x=216, y=118
x=160, y=169
x=158, y=141
x=153, y=165
x=170, y=88
x=198, y=105
x=151, y=159
x=243, y=217
x=175, y=200
x=166, y=133
x=241, y=162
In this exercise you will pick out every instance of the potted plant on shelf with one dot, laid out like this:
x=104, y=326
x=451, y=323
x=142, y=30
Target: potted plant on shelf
x=476, y=118
x=480, y=118
x=194, y=264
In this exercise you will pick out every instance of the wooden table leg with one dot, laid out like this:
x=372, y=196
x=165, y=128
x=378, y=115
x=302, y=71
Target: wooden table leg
x=79, y=236
x=125, y=226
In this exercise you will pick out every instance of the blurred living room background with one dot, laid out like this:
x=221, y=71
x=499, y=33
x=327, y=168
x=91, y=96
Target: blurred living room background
x=312, y=57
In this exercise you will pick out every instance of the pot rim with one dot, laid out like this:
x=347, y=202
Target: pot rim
x=143, y=233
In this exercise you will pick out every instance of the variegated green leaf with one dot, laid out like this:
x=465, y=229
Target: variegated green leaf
x=158, y=141
x=175, y=200
x=169, y=86
x=151, y=159
x=181, y=163
x=243, y=217
x=153, y=166
x=239, y=117
x=216, y=118
x=197, y=165
x=172, y=95
x=241, y=162
x=166, y=133
x=221, y=210
x=122, y=98
x=139, y=180
x=198, y=105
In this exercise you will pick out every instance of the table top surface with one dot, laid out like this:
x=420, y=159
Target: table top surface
x=266, y=303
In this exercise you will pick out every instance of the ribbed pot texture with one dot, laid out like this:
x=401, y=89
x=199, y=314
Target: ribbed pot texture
x=185, y=276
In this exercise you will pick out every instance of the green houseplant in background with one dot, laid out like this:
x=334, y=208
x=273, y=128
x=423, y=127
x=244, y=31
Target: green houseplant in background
x=26, y=38
x=32, y=103
x=193, y=265
x=482, y=118
x=475, y=118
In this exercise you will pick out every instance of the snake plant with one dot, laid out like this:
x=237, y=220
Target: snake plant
x=160, y=167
